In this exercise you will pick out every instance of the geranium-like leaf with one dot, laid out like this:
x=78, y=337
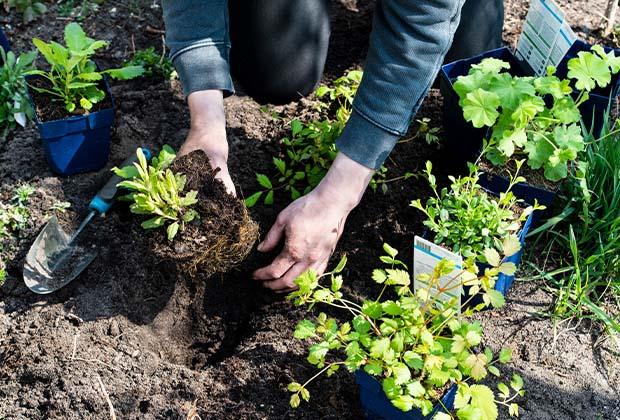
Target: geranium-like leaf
x=480, y=108
x=589, y=70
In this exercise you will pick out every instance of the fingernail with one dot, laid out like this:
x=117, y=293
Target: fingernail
x=260, y=246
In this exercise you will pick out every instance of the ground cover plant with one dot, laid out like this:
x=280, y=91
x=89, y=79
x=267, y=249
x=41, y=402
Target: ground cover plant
x=14, y=217
x=311, y=147
x=416, y=345
x=534, y=117
x=30, y=9
x=158, y=193
x=73, y=77
x=14, y=106
x=469, y=220
x=587, y=283
x=154, y=64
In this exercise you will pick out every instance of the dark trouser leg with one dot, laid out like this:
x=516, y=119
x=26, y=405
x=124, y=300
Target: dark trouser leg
x=480, y=30
x=278, y=47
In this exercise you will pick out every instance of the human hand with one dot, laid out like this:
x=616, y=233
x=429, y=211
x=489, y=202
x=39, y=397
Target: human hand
x=312, y=225
x=208, y=132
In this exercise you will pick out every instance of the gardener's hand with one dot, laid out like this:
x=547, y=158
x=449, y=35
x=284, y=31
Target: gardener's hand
x=208, y=132
x=312, y=225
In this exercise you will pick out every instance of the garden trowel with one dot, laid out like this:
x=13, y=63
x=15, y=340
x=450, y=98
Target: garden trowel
x=55, y=258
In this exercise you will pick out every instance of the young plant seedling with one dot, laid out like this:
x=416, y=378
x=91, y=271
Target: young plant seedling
x=518, y=112
x=73, y=77
x=157, y=192
x=14, y=215
x=30, y=9
x=155, y=65
x=467, y=219
x=416, y=345
x=14, y=105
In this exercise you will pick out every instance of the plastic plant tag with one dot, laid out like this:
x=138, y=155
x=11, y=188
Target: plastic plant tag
x=546, y=36
x=426, y=255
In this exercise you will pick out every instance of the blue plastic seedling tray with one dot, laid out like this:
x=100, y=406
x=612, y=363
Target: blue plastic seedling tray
x=377, y=406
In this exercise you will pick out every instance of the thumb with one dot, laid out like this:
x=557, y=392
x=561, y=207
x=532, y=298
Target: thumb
x=273, y=238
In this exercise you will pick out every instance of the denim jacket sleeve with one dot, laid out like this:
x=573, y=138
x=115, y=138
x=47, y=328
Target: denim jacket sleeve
x=197, y=35
x=407, y=46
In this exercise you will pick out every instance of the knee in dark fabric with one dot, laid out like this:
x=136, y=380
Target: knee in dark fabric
x=278, y=47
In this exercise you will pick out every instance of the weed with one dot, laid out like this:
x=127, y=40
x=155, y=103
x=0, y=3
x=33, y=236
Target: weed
x=79, y=9
x=14, y=215
x=417, y=346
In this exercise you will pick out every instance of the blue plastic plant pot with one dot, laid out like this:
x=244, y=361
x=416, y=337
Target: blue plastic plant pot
x=498, y=184
x=377, y=406
x=4, y=42
x=80, y=143
x=462, y=140
x=594, y=109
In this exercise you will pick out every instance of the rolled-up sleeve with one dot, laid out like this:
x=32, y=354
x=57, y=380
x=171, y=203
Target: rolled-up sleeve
x=408, y=43
x=197, y=35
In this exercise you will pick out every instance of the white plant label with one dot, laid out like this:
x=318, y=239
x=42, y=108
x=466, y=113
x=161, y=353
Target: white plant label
x=546, y=36
x=426, y=255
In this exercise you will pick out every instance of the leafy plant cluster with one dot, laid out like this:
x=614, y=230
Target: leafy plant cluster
x=155, y=65
x=79, y=9
x=157, y=192
x=73, y=77
x=14, y=105
x=14, y=217
x=534, y=117
x=467, y=219
x=311, y=147
x=416, y=345
x=587, y=282
x=30, y=9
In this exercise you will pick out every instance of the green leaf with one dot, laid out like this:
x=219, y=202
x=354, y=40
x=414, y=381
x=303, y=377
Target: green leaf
x=125, y=73
x=392, y=252
x=505, y=355
x=90, y=76
x=374, y=368
x=379, y=347
x=516, y=383
x=416, y=389
x=493, y=371
x=494, y=298
x=379, y=276
x=269, y=198
x=86, y=104
x=341, y=265
x=463, y=395
x=507, y=268
x=280, y=165
x=294, y=402
x=305, y=329
x=492, y=257
x=513, y=410
x=588, y=70
x=403, y=402
x=264, y=181
x=401, y=373
x=128, y=172
x=253, y=199
x=293, y=387
x=482, y=397
x=503, y=389
x=153, y=223
x=511, y=245
x=75, y=37
x=296, y=127
x=480, y=108
x=372, y=309
x=172, y=230
x=491, y=65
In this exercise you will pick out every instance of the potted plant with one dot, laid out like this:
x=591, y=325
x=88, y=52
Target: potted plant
x=536, y=118
x=74, y=108
x=463, y=141
x=600, y=98
x=14, y=105
x=469, y=220
x=415, y=356
x=206, y=229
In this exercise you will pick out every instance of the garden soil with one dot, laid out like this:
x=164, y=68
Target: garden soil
x=134, y=336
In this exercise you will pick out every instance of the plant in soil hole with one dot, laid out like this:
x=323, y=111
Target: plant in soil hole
x=154, y=64
x=467, y=219
x=73, y=78
x=14, y=105
x=534, y=117
x=30, y=9
x=157, y=192
x=415, y=344
x=14, y=214
x=311, y=147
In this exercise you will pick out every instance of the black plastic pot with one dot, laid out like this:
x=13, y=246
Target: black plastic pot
x=80, y=143
x=594, y=109
x=378, y=407
x=498, y=184
x=463, y=141
x=4, y=42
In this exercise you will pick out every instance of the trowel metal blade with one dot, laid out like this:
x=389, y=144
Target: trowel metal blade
x=52, y=262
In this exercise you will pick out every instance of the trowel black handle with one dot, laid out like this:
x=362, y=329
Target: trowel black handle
x=104, y=199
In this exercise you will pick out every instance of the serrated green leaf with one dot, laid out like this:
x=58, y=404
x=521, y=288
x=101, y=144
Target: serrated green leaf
x=480, y=108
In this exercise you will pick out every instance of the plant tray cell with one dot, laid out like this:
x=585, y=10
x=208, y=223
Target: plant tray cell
x=77, y=144
x=377, y=406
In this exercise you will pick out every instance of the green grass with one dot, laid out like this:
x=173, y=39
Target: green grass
x=584, y=239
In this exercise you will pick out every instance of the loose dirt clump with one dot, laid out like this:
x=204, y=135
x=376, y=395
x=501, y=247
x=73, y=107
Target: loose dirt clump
x=223, y=235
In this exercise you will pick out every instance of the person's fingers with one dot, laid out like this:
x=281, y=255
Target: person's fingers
x=276, y=269
x=273, y=237
x=287, y=281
